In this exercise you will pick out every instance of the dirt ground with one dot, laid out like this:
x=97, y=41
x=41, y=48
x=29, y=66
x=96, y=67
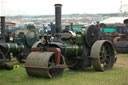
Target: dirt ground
x=122, y=60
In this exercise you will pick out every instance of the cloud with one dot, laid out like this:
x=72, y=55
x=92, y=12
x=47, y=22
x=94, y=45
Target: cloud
x=43, y=7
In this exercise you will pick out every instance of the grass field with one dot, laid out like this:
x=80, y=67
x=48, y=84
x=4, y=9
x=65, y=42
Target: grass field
x=117, y=76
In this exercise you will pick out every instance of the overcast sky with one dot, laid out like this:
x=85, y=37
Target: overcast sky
x=44, y=7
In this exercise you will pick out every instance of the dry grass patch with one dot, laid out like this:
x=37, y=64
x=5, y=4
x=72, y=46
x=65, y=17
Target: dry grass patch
x=122, y=60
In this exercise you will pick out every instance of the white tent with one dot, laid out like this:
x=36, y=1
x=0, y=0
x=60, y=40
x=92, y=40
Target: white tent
x=113, y=20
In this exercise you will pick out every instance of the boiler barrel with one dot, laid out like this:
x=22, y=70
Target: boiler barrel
x=12, y=47
x=73, y=50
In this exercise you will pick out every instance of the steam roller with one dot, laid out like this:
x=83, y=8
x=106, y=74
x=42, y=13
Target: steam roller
x=68, y=49
x=18, y=45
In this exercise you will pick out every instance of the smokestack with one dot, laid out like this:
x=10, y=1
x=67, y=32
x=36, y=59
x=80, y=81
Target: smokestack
x=58, y=17
x=71, y=26
x=2, y=26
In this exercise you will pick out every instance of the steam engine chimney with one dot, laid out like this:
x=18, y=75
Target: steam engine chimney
x=2, y=26
x=58, y=17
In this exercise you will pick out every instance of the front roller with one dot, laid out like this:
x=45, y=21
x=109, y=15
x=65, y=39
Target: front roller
x=103, y=55
x=43, y=64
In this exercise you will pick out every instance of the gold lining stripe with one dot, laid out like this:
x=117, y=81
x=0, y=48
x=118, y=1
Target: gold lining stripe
x=8, y=47
x=58, y=5
x=16, y=47
x=76, y=50
x=23, y=46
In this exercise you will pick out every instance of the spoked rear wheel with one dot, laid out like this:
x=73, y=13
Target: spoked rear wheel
x=103, y=55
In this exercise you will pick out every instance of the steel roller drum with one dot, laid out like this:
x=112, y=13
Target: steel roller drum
x=122, y=46
x=42, y=64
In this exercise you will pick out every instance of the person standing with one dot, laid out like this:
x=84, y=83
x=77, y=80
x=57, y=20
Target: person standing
x=126, y=22
x=125, y=30
x=100, y=28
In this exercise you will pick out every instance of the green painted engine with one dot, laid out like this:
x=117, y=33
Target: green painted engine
x=19, y=46
x=27, y=42
x=69, y=49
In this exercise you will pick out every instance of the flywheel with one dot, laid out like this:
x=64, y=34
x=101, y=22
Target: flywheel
x=91, y=35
